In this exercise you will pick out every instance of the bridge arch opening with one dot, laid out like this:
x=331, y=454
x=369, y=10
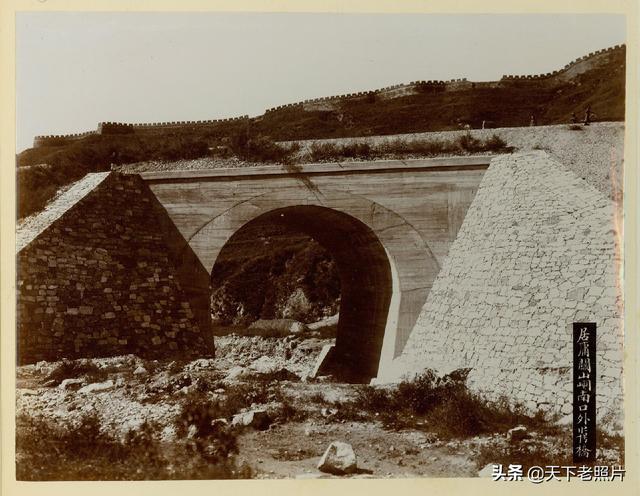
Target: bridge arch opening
x=368, y=306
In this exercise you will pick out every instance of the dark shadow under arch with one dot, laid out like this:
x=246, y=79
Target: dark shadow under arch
x=365, y=279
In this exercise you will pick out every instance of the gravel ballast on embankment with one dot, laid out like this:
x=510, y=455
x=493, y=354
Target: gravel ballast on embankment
x=594, y=153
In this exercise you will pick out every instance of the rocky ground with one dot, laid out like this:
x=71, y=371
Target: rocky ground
x=136, y=386
x=257, y=396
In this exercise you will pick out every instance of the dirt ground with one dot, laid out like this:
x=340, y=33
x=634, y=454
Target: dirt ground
x=125, y=392
x=381, y=453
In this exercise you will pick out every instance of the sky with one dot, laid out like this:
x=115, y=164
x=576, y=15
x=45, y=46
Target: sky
x=74, y=70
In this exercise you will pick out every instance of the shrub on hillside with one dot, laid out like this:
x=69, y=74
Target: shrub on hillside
x=198, y=422
x=357, y=150
x=199, y=409
x=84, y=451
x=496, y=144
x=468, y=143
x=323, y=151
x=261, y=149
x=443, y=405
x=72, y=369
x=400, y=148
x=38, y=184
x=43, y=171
x=288, y=411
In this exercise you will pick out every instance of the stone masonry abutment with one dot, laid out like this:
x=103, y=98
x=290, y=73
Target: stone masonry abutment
x=105, y=272
x=538, y=250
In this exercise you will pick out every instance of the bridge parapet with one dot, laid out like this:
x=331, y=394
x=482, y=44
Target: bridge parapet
x=323, y=168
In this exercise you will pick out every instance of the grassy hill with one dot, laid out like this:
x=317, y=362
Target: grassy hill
x=508, y=106
x=43, y=170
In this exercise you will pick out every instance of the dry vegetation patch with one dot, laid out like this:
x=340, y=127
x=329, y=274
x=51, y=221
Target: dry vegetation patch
x=179, y=420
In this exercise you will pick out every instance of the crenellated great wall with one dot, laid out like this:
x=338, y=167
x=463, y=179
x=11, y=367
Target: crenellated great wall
x=394, y=91
x=566, y=74
x=114, y=128
x=578, y=66
x=572, y=69
x=60, y=139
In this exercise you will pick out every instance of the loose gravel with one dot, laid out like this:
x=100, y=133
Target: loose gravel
x=594, y=153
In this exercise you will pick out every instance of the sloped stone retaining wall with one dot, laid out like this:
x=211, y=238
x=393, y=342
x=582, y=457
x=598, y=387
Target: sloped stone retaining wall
x=111, y=276
x=536, y=252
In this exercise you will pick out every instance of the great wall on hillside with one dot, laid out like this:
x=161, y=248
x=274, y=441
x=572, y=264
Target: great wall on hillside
x=550, y=79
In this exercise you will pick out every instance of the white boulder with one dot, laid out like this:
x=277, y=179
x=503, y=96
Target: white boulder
x=338, y=459
x=71, y=384
x=257, y=418
x=97, y=387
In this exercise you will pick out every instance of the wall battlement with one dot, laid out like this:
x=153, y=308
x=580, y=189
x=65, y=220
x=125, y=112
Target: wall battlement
x=112, y=128
x=169, y=124
x=413, y=87
x=585, y=62
x=392, y=91
x=576, y=67
x=60, y=139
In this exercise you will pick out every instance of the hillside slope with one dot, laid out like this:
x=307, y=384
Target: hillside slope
x=267, y=272
x=505, y=105
x=597, y=81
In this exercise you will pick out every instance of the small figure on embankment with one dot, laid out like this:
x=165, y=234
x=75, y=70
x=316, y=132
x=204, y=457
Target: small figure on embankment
x=588, y=115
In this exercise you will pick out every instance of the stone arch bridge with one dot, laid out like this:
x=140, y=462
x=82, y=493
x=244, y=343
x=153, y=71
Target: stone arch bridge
x=388, y=226
x=463, y=262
